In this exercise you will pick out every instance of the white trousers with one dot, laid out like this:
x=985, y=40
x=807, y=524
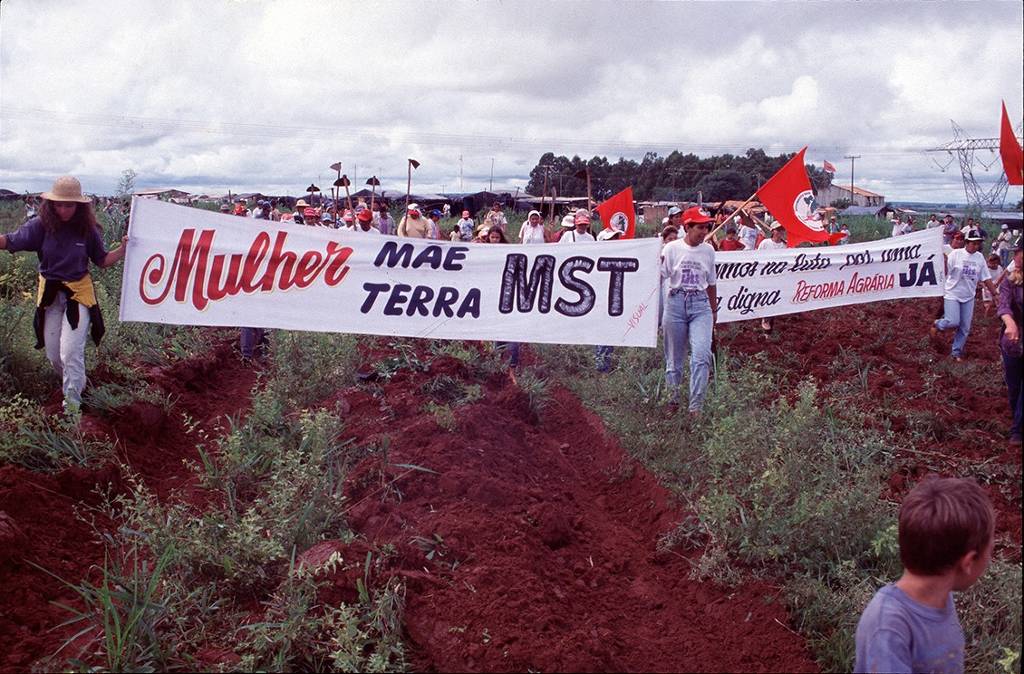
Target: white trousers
x=66, y=347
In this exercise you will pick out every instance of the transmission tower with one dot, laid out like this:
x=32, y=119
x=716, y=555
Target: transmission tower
x=965, y=149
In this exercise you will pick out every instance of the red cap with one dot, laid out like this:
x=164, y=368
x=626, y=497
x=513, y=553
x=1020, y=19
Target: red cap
x=309, y=213
x=347, y=217
x=365, y=215
x=696, y=214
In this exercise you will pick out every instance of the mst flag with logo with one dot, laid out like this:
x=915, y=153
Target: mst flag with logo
x=789, y=198
x=1011, y=152
x=829, y=168
x=617, y=213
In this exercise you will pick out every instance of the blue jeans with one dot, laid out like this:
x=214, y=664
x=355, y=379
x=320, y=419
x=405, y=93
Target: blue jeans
x=957, y=315
x=603, y=358
x=688, y=322
x=252, y=339
x=1013, y=371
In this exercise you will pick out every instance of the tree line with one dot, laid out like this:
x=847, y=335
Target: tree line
x=676, y=177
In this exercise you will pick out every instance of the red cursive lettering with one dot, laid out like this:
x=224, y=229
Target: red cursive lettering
x=210, y=281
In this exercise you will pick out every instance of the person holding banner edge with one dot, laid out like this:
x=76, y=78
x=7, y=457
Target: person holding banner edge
x=66, y=236
x=691, y=307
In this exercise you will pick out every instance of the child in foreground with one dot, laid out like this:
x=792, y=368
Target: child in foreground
x=946, y=530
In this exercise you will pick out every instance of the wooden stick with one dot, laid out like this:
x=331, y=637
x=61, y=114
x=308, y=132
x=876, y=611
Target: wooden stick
x=408, y=189
x=338, y=196
x=348, y=198
x=543, y=195
x=590, y=199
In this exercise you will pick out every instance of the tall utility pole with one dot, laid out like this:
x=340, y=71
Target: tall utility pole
x=853, y=158
x=461, y=188
x=490, y=185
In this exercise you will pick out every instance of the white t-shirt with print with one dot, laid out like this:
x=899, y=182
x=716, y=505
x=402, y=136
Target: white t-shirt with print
x=687, y=267
x=964, y=271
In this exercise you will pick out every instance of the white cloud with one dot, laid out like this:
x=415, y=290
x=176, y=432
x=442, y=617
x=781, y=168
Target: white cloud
x=250, y=95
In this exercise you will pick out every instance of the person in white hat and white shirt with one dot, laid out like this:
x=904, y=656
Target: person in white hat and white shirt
x=965, y=268
x=581, y=231
x=532, y=230
x=1003, y=245
x=66, y=237
x=413, y=224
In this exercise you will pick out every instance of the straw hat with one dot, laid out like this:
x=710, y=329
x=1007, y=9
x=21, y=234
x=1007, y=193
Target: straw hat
x=66, y=188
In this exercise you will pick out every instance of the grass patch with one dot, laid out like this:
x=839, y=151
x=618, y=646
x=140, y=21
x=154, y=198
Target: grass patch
x=783, y=481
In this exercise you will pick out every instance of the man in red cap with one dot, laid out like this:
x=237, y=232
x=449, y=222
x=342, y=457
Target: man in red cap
x=364, y=218
x=691, y=306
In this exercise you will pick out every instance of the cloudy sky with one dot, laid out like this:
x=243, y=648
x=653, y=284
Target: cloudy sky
x=264, y=95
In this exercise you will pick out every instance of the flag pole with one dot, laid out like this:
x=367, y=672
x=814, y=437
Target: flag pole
x=736, y=212
x=543, y=195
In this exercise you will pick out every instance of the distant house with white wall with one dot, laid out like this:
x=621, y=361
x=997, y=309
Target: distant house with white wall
x=861, y=197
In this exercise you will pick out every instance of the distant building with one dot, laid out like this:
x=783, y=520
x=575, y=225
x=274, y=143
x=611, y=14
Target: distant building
x=861, y=197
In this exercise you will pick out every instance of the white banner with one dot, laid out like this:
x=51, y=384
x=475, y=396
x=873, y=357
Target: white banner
x=187, y=266
x=757, y=284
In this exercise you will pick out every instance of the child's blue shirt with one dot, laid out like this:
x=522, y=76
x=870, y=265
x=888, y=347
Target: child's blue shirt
x=898, y=634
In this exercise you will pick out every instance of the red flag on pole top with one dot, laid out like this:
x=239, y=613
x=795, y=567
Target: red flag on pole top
x=1011, y=152
x=617, y=212
x=789, y=198
x=829, y=168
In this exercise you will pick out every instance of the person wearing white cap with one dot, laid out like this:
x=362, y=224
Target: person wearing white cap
x=965, y=267
x=413, y=224
x=65, y=236
x=532, y=230
x=581, y=231
x=1003, y=245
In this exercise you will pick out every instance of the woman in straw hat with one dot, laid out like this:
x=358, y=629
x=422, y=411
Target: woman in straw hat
x=65, y=236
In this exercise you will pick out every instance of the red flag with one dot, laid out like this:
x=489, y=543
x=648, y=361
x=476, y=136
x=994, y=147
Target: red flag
x=618, y=212
x=1011, y=152
x=829, y=168
x=789, y=198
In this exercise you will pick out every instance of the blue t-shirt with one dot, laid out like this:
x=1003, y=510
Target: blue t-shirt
x=63, y=255
x=898, y=634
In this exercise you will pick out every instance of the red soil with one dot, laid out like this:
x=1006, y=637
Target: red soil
x=913, y=385
x=544, y=532
x=547, y=553
x=47, y=511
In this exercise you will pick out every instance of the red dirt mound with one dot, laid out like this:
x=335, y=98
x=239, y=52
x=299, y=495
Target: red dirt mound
x=47, y=514
x=533, y=546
